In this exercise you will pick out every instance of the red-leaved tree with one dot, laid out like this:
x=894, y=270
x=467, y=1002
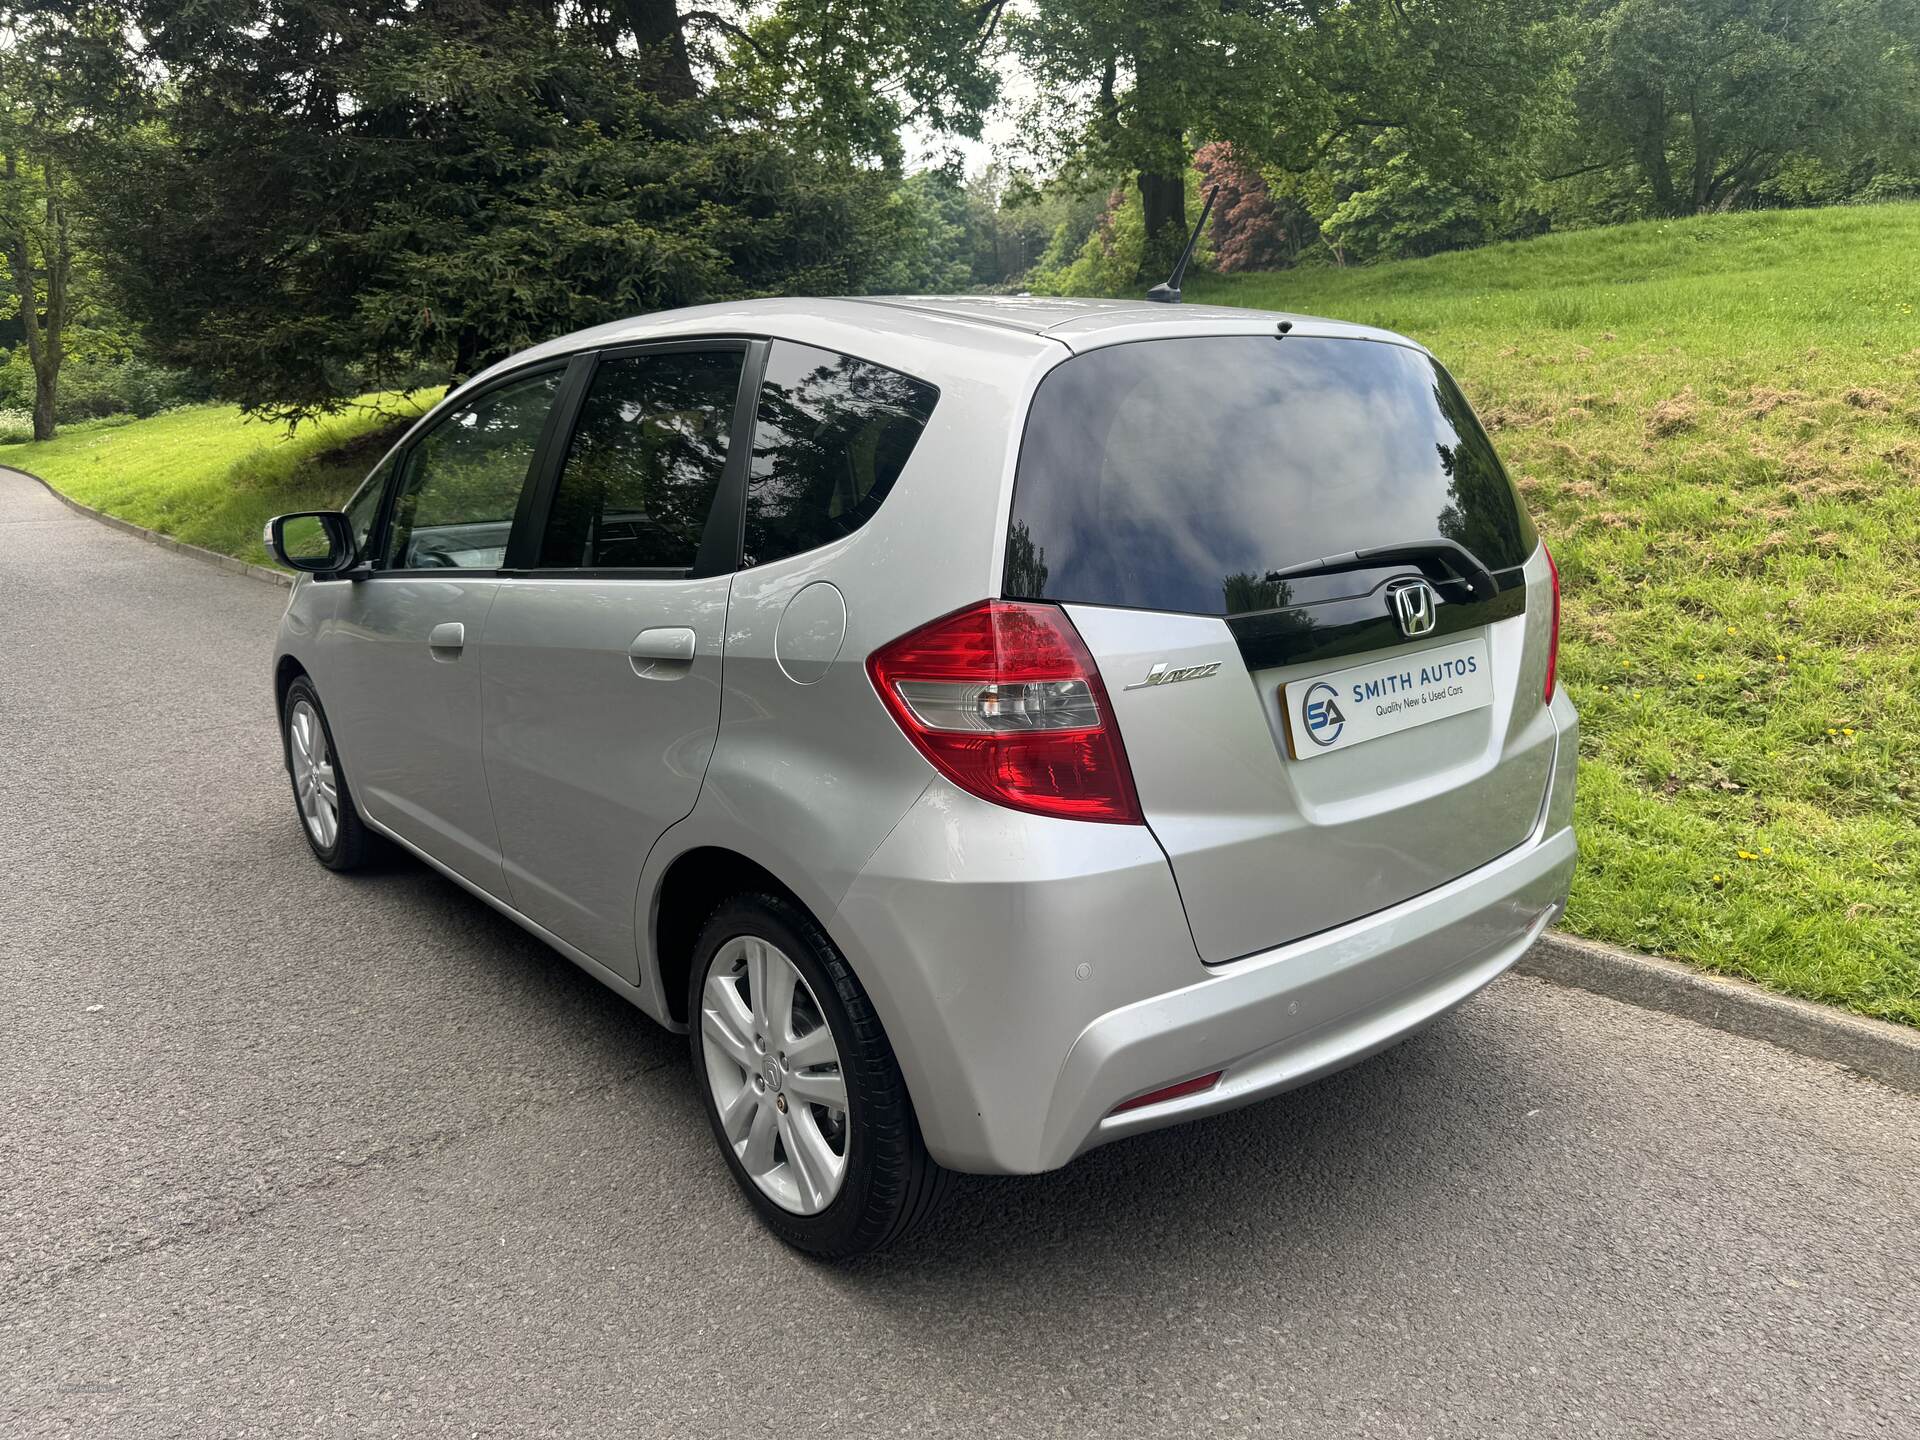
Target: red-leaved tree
x=1250, y=231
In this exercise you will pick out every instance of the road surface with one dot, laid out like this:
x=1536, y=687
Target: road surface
x=284, y=1153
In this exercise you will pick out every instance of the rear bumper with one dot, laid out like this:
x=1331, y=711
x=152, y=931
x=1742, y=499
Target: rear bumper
x=1291, y=1015
x=1035, y=973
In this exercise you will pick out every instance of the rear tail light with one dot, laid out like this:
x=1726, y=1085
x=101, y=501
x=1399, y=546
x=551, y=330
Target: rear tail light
x=1169, y=1092
x=1553, y=639
x=1005, y=701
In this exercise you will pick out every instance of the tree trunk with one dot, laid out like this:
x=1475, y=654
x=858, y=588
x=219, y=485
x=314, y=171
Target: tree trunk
x=45, y=387
x=43, y=348
x=1163, y=199
x=58, y=247
x=1703, y=162
x=656, y=26
x=1653, y=164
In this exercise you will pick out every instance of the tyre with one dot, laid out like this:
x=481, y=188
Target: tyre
x=334, y=830
x=800, y=1085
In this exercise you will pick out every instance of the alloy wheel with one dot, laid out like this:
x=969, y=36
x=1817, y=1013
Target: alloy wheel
x=314, y=781
x=774, y=1073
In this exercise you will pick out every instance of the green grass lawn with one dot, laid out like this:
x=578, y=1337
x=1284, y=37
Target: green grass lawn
x=211, y=477
x=1717, y=424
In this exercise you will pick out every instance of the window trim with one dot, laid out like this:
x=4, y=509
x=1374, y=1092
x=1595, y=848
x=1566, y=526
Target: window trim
x=720, y=541
x=402, y=456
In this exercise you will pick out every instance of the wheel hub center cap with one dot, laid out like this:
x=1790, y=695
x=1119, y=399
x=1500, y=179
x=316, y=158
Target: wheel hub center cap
x=770, y=1072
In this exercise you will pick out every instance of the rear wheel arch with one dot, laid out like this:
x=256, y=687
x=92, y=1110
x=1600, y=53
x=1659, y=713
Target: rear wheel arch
x=696, y=884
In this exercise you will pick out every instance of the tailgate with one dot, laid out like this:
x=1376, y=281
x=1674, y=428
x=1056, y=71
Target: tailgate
x=1268, y=848
x=1319, y=611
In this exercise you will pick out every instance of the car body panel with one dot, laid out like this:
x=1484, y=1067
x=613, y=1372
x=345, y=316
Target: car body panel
x=590, y=753
x=406, y=713
x=1268, y=847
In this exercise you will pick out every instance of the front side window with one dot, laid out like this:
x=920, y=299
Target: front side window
x=364, y=508
x=463, y=481
x=831, y=435
x=645, y=462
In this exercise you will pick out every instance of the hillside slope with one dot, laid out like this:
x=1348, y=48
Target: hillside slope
x=1717, y=424
x=208, y=475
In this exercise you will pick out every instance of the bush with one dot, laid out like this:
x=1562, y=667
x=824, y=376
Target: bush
x=93, y=387
x=1389, y=206
x=16, y=427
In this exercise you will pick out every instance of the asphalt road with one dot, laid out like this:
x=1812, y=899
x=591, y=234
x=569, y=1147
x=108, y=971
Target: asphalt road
x=284, y=1153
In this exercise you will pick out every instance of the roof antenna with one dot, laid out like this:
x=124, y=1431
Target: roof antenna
x=1169, y=293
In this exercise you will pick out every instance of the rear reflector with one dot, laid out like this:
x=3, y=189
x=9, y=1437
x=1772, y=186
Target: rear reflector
x=1005, y=701
x=1553, y=640
x=1169, y=1092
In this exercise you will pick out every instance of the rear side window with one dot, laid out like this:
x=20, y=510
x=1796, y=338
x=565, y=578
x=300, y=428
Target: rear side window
x=1178, y=474
x=831, y=435
x=645, y=461
x=463, y=480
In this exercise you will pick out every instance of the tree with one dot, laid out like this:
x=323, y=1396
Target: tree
x=1709, y=99
x=37, y=235
x=54, y=93
x=340, y=192
x=1252, y=229
x=1131, y=88
x=1014, y=225
x=1387, y=206
x=933, y=256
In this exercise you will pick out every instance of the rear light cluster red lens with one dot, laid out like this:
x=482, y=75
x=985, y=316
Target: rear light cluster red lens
x=1005, y=701
x=1169, y=1092
x=1553, y=641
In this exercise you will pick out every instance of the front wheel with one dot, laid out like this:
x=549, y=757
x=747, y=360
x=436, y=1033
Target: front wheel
x=801, y=1085
x=327, y=815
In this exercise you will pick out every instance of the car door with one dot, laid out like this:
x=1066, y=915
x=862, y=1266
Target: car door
x=602, y=652
x=405, y=672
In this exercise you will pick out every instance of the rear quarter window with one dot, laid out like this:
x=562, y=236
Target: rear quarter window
x=1178, y=474
x=831, y=435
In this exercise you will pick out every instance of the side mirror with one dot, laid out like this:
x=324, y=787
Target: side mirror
x=318, y=542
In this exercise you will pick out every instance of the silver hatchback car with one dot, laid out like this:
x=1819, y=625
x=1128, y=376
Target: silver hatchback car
x=987, y=727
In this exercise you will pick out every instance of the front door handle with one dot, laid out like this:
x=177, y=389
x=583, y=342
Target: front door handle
x=664, y=653
x=450, y=636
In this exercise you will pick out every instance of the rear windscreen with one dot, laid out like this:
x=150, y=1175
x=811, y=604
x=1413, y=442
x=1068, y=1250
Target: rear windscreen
x=1180, y=474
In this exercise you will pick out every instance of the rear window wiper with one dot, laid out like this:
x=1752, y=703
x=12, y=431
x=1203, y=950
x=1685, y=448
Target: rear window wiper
x=1432, y=557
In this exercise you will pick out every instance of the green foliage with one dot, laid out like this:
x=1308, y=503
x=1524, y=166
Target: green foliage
x=1716, y=423
x=1387, y=205
x=60, y=89
x=1109, y=261
x=932, y=255
x=1014, y=225
x=92, y=386
x=1125, y=89
x=340, y=193
x=1707, y=100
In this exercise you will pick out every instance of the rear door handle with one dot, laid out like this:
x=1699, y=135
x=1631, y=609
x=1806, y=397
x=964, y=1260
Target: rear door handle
x=663, y=653
x=450, y=636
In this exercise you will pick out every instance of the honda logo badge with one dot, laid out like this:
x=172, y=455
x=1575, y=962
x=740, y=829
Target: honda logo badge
x=1415, y=606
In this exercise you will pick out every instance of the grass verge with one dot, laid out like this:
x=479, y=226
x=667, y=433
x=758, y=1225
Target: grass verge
x=1717, y=424
x=209, y=476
